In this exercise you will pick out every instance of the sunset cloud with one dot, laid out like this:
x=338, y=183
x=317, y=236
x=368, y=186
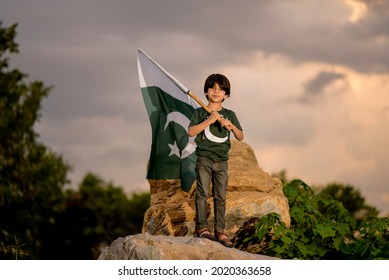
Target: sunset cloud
x=310, y=80
x=340, y=131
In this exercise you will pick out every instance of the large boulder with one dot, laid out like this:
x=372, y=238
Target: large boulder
x=251, y=193
x=148, y=247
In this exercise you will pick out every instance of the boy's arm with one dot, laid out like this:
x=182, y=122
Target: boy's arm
x=237, y=132
x=196, y=129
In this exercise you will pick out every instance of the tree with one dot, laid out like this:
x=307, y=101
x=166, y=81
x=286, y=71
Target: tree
x=31, y=175
x=352, y=200
x=347, y=194
x=39, y=220
x=94, y=216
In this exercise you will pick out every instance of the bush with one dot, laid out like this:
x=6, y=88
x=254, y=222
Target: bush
x=321, y=228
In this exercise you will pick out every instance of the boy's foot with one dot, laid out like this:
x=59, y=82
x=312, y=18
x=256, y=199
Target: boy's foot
x=204, y=233
x=222, y=238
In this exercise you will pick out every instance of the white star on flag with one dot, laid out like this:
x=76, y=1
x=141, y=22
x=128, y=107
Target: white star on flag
x=174, y=150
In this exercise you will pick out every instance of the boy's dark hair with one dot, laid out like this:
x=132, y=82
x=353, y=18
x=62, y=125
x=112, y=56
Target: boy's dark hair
x=219, y=79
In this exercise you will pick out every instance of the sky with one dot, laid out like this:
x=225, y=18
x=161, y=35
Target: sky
x=309, y=78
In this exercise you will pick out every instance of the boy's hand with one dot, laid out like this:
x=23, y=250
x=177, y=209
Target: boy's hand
x=213, y=117
x=227, y=124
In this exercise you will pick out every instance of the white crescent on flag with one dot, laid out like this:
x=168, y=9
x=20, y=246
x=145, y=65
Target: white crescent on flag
x=183, y=121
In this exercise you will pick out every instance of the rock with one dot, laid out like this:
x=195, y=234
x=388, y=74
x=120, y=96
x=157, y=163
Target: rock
x=148, y=247
x=251, y=193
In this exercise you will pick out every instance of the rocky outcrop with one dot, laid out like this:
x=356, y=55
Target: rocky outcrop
x=148, y=247
x=251, y=193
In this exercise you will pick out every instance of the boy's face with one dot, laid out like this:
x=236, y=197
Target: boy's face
x=216, y=94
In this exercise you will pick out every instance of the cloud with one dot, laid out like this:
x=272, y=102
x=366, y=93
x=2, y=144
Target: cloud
x=339, y=137
x=331, y=54
x=314, y=88
x=359, y=10
x=104, y=145
x=298, y=30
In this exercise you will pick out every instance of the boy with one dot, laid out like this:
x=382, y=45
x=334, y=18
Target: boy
x=213, y=145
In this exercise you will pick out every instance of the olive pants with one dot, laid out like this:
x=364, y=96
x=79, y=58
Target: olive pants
x=215, y=172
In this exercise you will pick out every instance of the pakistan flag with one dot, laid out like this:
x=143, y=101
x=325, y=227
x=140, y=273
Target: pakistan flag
x=169, y=109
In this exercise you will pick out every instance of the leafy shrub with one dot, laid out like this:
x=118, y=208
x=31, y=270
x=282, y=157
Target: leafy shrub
x=321, y=228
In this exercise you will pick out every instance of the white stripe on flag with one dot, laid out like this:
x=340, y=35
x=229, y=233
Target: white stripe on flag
x=152, y=74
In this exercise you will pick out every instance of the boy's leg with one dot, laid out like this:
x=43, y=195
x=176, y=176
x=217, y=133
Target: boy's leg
x=220, y=182
x=203, y=178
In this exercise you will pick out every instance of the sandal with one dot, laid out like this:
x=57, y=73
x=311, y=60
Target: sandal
x=204, y=233
x=222, y=238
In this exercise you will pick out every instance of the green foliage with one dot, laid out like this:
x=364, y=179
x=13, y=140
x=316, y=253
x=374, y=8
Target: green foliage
x=93, y=217
x=31, y=176
x=321, y=228
x=38, y=219
x=352, y=200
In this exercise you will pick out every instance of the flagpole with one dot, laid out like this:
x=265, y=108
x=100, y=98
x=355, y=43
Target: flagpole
x=181, y=86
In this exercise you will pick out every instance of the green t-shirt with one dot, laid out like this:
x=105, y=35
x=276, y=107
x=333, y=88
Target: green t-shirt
x=214, y=141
